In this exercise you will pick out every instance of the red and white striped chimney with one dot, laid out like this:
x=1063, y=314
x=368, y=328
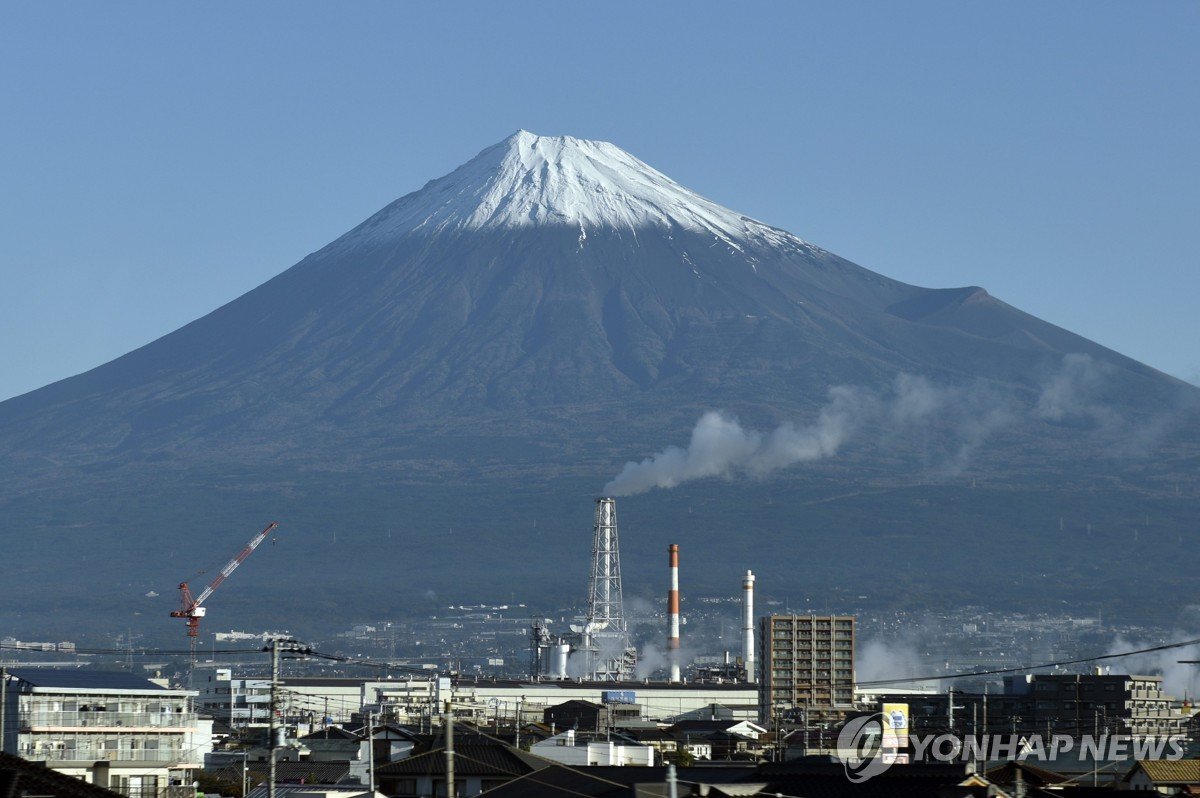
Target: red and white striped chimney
x=673, y=612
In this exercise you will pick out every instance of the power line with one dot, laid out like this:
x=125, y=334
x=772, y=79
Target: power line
x=367, y=663
x=1023, y=668
x=123, y=651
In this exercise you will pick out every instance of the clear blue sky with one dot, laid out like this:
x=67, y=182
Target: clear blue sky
x=159, y=159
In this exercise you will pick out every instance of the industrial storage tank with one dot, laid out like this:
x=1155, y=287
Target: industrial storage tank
x=562, y=653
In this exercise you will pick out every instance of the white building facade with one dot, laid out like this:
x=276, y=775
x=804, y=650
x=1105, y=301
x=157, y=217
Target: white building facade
x=112, y=729
x=568, y=750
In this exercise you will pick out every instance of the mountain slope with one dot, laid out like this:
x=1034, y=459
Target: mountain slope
x=547, y=311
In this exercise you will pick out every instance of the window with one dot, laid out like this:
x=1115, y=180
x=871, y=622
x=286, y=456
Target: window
x=138, y=786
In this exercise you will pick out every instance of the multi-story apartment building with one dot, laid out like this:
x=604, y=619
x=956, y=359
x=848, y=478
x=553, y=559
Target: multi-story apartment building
x=115, y=730
x=806, y=668
x=1073, y=704
x=1113, y=703
x=237, y=702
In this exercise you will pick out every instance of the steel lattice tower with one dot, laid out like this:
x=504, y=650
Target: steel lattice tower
x=605, y=620
x=606, y=607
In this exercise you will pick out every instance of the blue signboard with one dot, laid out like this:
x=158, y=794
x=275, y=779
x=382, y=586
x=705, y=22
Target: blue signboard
x=618, y=697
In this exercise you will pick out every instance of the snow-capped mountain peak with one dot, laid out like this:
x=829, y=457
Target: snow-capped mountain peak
x=528, y=180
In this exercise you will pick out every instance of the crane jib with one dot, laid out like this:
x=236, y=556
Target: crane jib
x=192, y=610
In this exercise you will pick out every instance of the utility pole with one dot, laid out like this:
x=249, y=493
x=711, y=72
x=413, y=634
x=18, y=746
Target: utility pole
x=371, y=750
x=450, y=791
x=517, y=742
x=975, y=733
x=3, y=703
x=274, y=729
x=952, y=708
x=273, y=742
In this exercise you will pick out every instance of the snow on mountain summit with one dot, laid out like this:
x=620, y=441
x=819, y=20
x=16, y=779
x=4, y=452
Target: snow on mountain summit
x=528, y=180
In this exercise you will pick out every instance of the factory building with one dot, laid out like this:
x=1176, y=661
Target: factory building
x=313, y=702
x=656, y=700
x=807, y=668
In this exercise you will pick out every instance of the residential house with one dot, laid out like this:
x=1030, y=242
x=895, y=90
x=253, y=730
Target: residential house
x=571, y=748
x=479, y=764
x=1166, y=777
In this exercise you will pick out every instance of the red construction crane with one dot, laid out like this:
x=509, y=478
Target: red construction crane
x=190, y=607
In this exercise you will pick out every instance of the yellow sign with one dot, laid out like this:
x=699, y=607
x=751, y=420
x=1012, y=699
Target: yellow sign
x=895, y=727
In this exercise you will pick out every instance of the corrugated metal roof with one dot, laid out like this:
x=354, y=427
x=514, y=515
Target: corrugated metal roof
x=83, y=678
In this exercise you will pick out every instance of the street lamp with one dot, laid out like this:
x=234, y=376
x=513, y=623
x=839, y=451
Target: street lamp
x=245, y=774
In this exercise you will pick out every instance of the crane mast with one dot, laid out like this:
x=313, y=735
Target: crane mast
x=190, y=608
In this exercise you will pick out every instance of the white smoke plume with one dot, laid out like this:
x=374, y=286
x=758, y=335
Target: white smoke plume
x=879, y=660
x=654, y=660
x=1180, y=679
x=651, y=659
x=721, y=447
x=1071, y=393
x=1075, y=394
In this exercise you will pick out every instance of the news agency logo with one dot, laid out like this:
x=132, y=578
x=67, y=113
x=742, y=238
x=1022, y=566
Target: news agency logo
x=866, y=749
x=859, y=747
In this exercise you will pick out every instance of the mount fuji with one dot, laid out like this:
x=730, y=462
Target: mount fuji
x=428, y=403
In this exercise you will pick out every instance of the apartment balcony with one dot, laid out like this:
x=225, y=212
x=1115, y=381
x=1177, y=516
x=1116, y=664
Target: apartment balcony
x=165, y=756
x=44, y=721
x=1142, y=714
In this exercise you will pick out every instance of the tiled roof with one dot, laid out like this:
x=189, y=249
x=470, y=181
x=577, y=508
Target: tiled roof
x=702, y=725
x=828, y=780
x=1160, y=771
x=20, y=777
x=310, y=772
x=470, y=759
x=576, y=703
x=558, y=780
x=1033, y=775
x=332, y=733
x=306, y=791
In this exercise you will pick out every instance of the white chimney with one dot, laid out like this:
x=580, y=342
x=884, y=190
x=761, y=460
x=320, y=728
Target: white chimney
x=748, y=627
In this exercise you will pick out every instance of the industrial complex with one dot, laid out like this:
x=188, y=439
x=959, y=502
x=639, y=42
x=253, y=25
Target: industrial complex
x=585, y=696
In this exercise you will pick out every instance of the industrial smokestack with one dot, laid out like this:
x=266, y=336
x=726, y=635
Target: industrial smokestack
x=673, y=612
x=748, y=626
